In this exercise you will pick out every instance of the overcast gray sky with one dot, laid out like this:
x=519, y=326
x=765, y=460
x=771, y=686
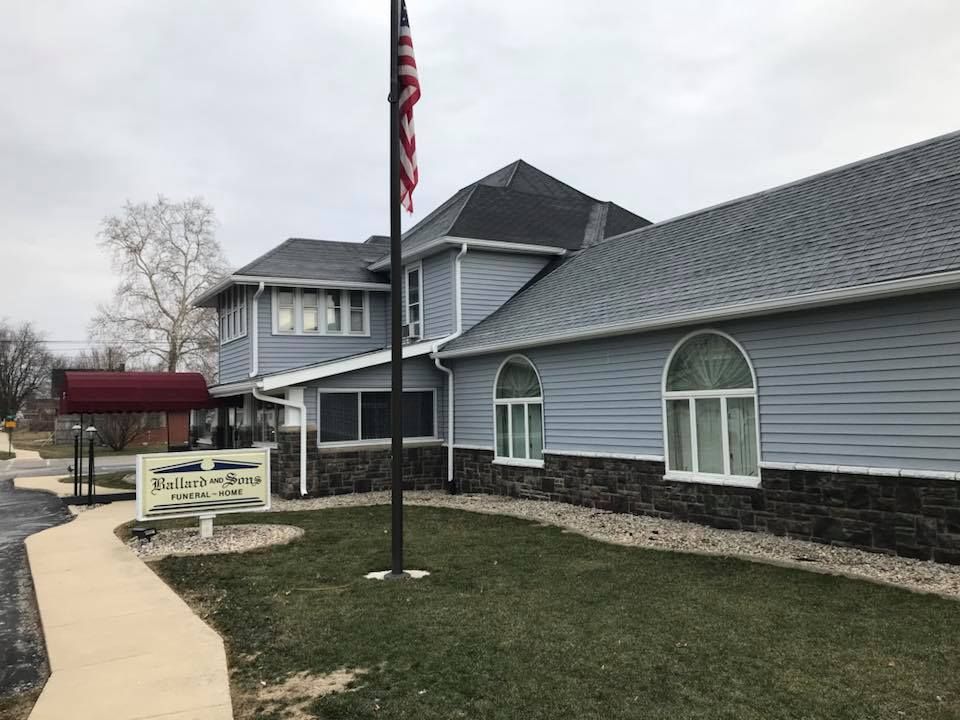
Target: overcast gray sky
x=275, y=112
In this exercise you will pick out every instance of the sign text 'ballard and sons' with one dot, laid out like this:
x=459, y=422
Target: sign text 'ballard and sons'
x=202, y=483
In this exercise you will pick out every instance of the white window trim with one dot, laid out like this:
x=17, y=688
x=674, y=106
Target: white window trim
x=418, y=267
x=241, y=310
x=345, y=314
x=374, y=441
x=695, y=476
x=507, y=459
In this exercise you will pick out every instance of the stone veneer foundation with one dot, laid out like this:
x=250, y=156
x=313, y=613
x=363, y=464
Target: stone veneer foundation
x=913, y=517
x=338, y=471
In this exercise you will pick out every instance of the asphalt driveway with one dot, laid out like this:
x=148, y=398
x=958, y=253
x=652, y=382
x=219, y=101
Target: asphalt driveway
x=23, y=662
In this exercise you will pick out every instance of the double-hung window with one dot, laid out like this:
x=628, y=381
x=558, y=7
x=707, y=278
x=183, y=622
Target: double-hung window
x=414, y=293
x=316, y=311
x=232, y=307
x=518, y=411
x=710, y=412
x=363, y=416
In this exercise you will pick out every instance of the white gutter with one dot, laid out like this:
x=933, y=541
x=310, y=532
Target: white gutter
x=255, y=335
x=303, y=431
x=507, y=247
x=458, y=297
x=872, y=291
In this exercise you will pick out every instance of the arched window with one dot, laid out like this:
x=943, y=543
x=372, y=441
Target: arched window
x=710, y=409
x=518, y=408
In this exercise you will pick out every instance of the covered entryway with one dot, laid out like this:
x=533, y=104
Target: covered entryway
x=176, y=394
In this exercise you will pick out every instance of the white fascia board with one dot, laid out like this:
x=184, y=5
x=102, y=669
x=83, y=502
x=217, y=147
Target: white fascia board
x=228, y=389
x=858, y=293
x=338, y=367
x=287, y=282
x=474, y=244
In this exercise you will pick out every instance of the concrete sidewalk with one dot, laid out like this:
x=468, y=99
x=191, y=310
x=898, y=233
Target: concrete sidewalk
x=122, y=644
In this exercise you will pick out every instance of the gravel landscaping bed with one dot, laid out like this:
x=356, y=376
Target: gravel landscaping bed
x=226, y=539
x=650, y=532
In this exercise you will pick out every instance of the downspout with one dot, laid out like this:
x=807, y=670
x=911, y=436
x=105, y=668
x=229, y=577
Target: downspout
x=458, y=300
x=302, y=407
x=255, y=339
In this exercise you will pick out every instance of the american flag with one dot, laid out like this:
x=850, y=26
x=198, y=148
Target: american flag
x=409, y=94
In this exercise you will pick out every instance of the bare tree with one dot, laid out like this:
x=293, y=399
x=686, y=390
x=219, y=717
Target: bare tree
x=120, y=429
x=24, y=366
x=166, y=255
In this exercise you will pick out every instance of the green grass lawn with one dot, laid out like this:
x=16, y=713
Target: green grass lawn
x=525, y=621
x=107, y=480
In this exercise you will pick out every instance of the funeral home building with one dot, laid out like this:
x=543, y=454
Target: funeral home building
x=786, y=362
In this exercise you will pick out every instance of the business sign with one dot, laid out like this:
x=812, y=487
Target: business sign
x=202, y=483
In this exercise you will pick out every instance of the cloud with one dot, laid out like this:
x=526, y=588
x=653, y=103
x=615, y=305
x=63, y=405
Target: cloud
x=276, y=113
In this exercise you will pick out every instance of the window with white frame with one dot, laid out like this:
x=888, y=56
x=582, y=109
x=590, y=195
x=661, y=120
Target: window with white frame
x=710, y=410
x=315, y=311
x=414, y=292
x=358, y=416
x=232, y=309
x=518, y=410
x=286, y=309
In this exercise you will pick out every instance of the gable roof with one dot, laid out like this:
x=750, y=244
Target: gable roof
x=523, y=205
x=886, y=224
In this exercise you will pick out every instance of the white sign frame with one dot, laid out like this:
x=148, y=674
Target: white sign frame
x=257, y=452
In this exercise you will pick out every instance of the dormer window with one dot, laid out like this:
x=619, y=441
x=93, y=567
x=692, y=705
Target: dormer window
x=414, y=293
x=317, y=311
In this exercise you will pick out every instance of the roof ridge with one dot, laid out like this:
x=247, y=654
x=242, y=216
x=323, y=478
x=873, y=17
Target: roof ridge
x=784, y=186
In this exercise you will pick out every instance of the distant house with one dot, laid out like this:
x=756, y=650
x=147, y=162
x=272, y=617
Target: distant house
x=785, y=362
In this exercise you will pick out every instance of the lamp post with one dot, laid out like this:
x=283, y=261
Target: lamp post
x=77, y=477
x=92, y=434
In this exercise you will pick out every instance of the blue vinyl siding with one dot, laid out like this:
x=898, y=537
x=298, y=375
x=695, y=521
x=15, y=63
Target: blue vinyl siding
x=874, y=384
x=234, y=357
x=286, y=352
x=418, y=373
x=438, y=300
x=489, y=279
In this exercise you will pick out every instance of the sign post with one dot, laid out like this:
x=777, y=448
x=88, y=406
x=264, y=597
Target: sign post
x=10, y=424
x=202, y=484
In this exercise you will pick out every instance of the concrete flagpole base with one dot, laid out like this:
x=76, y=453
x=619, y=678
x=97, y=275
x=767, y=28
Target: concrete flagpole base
x=388, y=575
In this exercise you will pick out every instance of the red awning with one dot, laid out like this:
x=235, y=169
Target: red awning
x=104, y=392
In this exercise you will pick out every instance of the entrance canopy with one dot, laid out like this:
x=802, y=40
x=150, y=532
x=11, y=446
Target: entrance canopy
x=106, y=392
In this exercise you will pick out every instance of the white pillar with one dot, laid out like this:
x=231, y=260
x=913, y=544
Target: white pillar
x=206, y=526
x=291, y=415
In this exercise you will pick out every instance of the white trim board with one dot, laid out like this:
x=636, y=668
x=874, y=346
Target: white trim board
x=287, y=281
x=473, y=243
x=857, y=470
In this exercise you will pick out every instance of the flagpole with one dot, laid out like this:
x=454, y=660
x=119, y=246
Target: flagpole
x=396, y=332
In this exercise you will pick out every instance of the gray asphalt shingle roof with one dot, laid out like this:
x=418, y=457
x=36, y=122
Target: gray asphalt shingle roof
x=308, y=259
x=522, y=204
x=893, y=216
